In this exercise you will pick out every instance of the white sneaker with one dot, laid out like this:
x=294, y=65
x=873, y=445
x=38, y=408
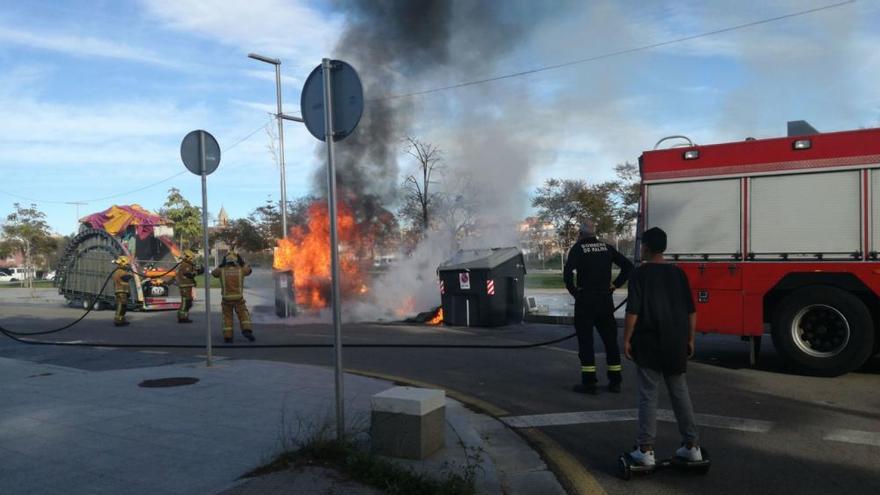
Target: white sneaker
x=692, y=454
x=643, y=458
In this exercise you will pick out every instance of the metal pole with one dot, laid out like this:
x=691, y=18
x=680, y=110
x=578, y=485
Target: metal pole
x=280, y=118
x=206, y=249
x=334, y=249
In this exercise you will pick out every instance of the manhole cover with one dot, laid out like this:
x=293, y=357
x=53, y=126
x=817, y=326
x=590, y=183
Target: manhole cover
x=176, y=381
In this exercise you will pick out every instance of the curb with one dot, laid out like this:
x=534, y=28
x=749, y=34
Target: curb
x=570, y=472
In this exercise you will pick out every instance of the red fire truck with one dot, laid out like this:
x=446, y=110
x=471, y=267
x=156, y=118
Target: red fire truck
x=778, y=235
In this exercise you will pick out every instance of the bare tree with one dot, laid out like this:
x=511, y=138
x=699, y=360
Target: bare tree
x=456, y=208
x=417, y=187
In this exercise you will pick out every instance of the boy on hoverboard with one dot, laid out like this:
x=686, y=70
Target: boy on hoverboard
x=659, y=336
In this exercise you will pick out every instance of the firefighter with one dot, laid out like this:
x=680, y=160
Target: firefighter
x=231, y=274
x=186, y=281
x=122, y=288
x=594, y=306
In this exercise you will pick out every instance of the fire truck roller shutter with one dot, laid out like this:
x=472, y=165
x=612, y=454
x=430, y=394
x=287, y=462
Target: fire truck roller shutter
x=806, y=214
x=823, y=330
x=875, y=210
x=700, y=217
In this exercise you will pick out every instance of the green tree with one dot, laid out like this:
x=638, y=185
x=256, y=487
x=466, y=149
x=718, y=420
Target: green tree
x=267, y=220
x=187, y=218
x=567, y=202
x=27, y=232
x=244, y=235
x=626, y=193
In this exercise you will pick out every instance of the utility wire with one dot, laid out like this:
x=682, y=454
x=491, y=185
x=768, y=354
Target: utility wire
x=615, y=53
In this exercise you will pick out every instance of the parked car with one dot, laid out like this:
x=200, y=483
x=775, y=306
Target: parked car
x=19, y=273
x=5, y=275
x=50, y=276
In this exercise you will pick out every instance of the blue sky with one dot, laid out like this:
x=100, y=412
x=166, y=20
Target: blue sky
x=95, y=96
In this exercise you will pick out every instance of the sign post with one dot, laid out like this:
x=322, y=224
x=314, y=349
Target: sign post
x=332, y=103
x=334, y=246
x=201, y=155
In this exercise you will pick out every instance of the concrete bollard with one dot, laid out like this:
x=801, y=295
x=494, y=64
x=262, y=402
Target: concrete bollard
x=408, y=422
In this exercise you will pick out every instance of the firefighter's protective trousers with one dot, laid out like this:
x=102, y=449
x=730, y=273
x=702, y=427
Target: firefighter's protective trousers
x=186, y=303
x=122, y=289
x=121, y=306
x=186, y=280
x=244, y=317
x=596, y=309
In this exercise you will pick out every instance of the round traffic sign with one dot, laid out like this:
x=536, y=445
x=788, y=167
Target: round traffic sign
x=348, y=100
x=200, y=152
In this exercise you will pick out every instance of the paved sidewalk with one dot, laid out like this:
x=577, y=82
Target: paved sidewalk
x=65, y=430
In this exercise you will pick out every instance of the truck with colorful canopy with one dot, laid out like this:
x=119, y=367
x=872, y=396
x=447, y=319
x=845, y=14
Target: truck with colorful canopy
x=128, y=230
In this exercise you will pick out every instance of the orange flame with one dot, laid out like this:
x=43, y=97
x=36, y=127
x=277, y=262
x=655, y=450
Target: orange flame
x=306, y=253
x=437, y=319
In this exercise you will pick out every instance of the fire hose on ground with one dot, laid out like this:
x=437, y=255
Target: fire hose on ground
x=19, y=337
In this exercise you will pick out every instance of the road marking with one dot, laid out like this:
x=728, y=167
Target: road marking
x=154, y=352
x=618, y=415
x=854, y=436
x=572, y=418
x=725, y=422
x=215, y=357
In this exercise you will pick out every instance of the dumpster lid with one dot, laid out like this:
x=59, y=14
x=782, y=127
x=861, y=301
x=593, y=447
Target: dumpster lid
x=477, y=259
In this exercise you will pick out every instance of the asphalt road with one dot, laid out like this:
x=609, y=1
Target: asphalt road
x=768, y=431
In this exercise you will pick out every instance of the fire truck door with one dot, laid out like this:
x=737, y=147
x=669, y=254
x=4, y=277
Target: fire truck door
x=717, y=292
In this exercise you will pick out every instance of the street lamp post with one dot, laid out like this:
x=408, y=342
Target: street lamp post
x=279, y=116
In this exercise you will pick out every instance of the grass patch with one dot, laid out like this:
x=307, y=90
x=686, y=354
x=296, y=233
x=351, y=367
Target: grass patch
x=552, y=280
x=544, y=281
x=364, y=467
x=38, y=284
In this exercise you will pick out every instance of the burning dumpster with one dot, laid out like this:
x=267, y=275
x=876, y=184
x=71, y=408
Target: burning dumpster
x=285, y=300
x=483, y=287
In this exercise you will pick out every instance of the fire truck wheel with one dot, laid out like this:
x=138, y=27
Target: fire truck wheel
x=823, y=331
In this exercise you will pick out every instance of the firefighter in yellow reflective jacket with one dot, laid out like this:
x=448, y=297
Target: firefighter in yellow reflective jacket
x=122, y=287
x=186, y=281
x=231, y=274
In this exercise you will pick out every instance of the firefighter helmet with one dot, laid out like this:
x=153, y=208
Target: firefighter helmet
x=231, y=257
x=122, y=261
x=187, y=255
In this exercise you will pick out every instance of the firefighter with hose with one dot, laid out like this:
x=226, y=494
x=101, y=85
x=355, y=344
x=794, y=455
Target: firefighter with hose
x=231, y=274
x=122, y=288
x=594, y=306
x=186, y=281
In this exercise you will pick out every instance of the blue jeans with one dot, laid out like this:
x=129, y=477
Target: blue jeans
x=676, y=385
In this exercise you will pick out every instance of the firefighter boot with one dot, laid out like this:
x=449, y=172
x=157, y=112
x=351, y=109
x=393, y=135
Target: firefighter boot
x=588, y=381
x=249, y=334
x=614, y=378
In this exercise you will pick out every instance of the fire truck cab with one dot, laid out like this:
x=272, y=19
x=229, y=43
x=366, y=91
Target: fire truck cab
x=777, y=234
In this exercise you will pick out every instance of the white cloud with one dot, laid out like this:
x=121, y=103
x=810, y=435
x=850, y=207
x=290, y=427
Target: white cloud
x=289, y=29
x=82, y=46
x=253, y=105
x=268, y=74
